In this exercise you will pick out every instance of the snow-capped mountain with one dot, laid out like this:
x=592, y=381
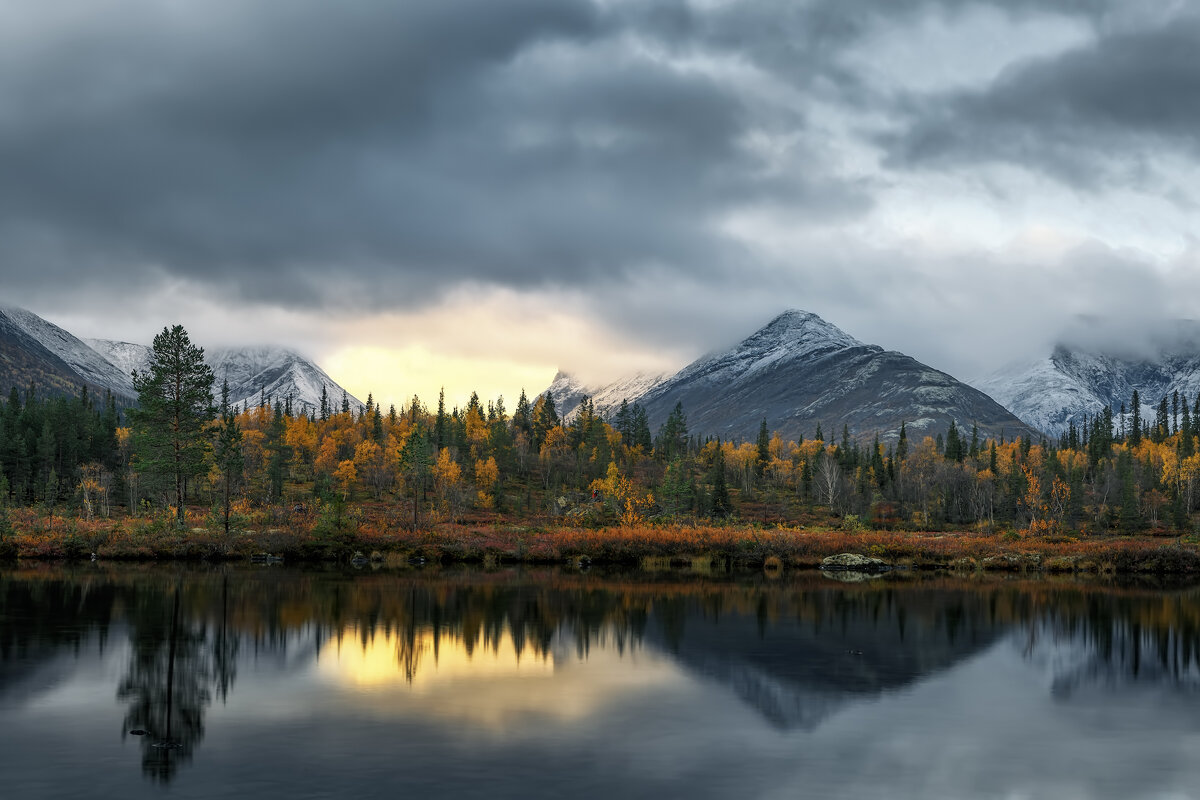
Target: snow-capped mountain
x=277, y=374
x=125, y=356
x=25, y=362
x=800, y=371
x=568, y=392
x=254, y=373
x=90, y=366
x=34, y=350
x=1073, y=382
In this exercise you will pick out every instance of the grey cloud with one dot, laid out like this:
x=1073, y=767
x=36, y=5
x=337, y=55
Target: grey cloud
x=260, y=147
x=1092, y=117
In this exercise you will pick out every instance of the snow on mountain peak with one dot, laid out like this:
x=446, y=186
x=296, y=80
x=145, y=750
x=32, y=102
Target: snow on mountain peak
x=84, y=360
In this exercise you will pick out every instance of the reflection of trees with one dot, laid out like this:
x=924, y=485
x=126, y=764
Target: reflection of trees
x=166, y=686
x=769, y=637
x=1121, y=640
x=174, y=665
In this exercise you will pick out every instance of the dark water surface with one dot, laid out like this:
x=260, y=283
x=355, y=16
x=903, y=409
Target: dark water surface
x=131, y=682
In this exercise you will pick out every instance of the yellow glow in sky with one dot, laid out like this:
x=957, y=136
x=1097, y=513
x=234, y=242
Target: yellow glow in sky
x=393, y=375
x=385, y=659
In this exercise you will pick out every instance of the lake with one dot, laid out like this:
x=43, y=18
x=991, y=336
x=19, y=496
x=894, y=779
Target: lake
x=124, y=681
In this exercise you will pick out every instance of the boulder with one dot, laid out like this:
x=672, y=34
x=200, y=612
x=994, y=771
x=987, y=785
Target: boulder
x=854, y=562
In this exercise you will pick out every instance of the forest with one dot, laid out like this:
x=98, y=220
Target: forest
x=81, y=457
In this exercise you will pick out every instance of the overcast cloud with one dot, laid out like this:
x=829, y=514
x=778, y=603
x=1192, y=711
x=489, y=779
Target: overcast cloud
x=959, y=180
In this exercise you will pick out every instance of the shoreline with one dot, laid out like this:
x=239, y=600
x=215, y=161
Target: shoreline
x=648, y=547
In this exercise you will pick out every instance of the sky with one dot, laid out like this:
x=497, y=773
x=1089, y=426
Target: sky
x=475, y=193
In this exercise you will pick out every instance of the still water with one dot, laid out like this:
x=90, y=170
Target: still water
x=133, y=682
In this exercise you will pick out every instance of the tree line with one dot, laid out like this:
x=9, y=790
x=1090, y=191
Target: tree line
x=184, y=446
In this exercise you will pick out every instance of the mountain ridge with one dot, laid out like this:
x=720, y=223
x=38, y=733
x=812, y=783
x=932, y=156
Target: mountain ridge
x=61, y=362
x=1074, y=383
x=799, y=371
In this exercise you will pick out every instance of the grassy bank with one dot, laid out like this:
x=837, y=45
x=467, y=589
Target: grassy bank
x=308, y=538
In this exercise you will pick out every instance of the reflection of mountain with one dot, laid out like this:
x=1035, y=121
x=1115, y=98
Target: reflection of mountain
x=851, y=646
x=495, y=646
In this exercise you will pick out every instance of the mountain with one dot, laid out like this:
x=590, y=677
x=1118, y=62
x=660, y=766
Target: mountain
x=37, y=351
x=25, y=361
x=125, y=356
x=1076, y=381
x=800, y=371
x=86, y=363
x=568, y=392
x=275, y=373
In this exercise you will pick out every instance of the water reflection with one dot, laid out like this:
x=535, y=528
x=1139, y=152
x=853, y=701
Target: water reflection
x=518, y=655
x=175, y=666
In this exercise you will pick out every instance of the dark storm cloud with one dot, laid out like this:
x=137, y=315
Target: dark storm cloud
x=378, y=153
x=1094, y=116
x=260, y=146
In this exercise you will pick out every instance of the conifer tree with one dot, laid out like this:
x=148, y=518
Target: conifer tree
x=1135, y=420
x=175, y=404
x=673, y=435
x=722, y=505
x=439, y=424
x=764, y=448
x=228, y=452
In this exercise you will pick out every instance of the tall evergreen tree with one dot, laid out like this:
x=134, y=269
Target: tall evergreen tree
x=175, y=404
x=641, y=429
x=673, y=435
x=764, y=448
x=228, y=452
x=1135, y=420
x=439, y=424
x=722, y=505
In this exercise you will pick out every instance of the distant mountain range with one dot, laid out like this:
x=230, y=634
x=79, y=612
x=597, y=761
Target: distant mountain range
x=1074, y=382
x=798, y=372
x=37, y=351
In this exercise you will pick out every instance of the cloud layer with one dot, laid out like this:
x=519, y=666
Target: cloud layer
x=675, y=171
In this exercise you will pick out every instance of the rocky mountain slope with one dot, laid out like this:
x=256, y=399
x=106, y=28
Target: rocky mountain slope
x=24, y=361
x=1075, y=382
x=568, y=392
x=33, y=349
x=90, y=366
x=800, y=371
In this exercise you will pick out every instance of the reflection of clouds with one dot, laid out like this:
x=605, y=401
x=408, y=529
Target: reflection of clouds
x=438, y=676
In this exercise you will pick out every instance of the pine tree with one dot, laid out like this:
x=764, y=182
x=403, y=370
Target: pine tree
x=722, y=505
x=1135, y=421
x=439, y=424
x=324, y=402
x=764, y=449
x=414, y=465
x=673, y=435
x=641, y=429
x=228, y=452
x=175, y=404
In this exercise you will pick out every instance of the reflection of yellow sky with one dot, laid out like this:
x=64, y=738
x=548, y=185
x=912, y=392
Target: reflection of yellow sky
x=489, y=686
x=388, y=660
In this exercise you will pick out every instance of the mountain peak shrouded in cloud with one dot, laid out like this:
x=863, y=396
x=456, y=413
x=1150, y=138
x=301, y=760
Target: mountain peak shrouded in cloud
x=1093, y=369
x=640, y=164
